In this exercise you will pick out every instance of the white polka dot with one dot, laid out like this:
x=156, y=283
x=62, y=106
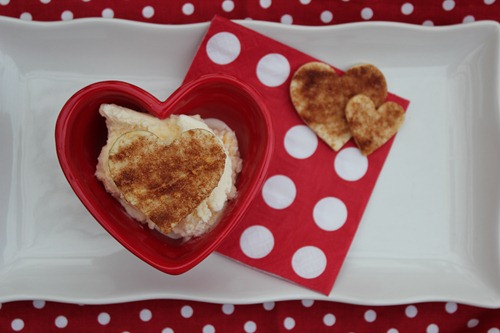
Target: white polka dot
x=265, y=3
x=329, y=319
x=289, y=323
x=223, y=48
x=286, y=19
x=167, y=330
x=407, y=8
x=26, y=16
x=300, y=141
x=66, y=15
x=227, y=6
x=45, y=1
x=432, y=328
x=428, y=23
x=250, y=327
x=411, y=311
x=451, y=307
x=148, y=12
x=38, y=304
x=108, y=13
x=330, y=214
x=268, y=306
x=186, y=311
x=489, y=2
x=145, y=315
x=17, y=324
x=326, y=16
x=4, y=2
x=279, y=192
x=61, y=322
x=256, y=242
x=366, y=13
x=469, y=19
x=103, y=318
x=472, y=323
x=307, y=303
x=305, y=2
x=188, y=9
x=370, y=316
x=350, y=164
x=208, y=329
x=273, y=70
x=228, y=309
x=392, y=330
x=448, y=5
x=493, y=330
x=309, y=262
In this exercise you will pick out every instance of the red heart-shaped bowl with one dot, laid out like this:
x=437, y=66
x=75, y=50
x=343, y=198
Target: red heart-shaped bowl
x=81, y=133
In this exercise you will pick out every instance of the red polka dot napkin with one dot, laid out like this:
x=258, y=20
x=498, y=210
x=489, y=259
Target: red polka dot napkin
x=301, y=225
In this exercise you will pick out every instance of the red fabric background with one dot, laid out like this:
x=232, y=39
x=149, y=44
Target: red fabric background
x=167, y=316
x=170, y=12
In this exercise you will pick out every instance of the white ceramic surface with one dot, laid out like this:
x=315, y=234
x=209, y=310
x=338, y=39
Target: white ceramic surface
x=431, y=228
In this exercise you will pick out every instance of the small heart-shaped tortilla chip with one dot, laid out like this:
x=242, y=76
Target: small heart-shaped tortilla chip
x=372, y=127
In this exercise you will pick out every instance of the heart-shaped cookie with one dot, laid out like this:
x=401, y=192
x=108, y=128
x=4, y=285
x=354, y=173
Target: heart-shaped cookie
x=320, y=95
x=163, y=181
x=371, y=127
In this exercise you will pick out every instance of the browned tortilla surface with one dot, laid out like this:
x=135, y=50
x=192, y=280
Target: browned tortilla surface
x=372, y=127
x=166, y=182
x=320, y=96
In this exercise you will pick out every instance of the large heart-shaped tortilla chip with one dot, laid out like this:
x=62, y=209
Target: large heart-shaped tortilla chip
x=166, y=182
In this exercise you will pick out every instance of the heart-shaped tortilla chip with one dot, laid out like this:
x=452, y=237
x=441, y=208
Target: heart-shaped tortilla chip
x=320, y=96
x=371, y=127
x=166, y=182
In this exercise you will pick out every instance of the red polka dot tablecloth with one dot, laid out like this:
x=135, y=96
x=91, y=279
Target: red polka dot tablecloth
x=167, y=316
x=304, y=12
x=164, y=316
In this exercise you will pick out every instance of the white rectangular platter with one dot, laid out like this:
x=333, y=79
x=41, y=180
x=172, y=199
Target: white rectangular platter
x=431, y=228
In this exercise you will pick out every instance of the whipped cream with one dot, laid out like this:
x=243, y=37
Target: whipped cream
x=120, y=120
